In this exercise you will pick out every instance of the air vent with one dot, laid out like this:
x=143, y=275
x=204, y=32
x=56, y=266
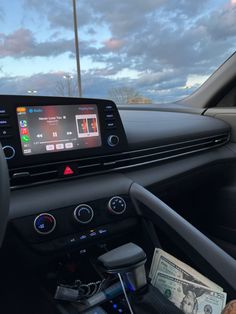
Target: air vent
x=103, y=164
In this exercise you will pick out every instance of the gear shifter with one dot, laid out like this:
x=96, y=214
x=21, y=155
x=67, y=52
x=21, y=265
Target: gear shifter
x=127, y=260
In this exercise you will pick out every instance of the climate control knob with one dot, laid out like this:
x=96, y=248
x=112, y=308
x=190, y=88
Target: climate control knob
x=9, y=152
x=113, y=140
x=117, y=205
x=83, y=213
x=44, y=223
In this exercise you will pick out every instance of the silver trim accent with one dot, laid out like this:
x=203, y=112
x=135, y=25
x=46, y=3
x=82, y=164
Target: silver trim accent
x=43, y=173
x=113, y=211
x=76, y=210
x=13, y=152
x=167, y=151
x=224, y=141
x=217, y=140
x=48, y=232
x=109, y=142
x=89, y=166
x=20, y=174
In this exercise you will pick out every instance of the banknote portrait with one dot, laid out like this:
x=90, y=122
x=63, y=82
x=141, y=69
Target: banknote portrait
x=189, y=304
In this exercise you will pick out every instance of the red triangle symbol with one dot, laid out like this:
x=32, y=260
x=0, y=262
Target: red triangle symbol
x=68, y=171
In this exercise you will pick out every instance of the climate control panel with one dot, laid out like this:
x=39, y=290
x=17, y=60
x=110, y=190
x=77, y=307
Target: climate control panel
x=77, y=224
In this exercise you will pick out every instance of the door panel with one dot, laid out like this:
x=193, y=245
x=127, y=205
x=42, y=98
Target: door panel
x=226, y=114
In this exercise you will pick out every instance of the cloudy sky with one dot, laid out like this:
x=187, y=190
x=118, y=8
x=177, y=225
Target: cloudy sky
x=162, y=48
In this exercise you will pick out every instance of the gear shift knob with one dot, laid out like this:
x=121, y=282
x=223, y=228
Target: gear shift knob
x=127, y=260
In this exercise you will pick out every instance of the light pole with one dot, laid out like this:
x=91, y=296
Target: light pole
x=68, y=77
x=77, y=48
x=32, y=92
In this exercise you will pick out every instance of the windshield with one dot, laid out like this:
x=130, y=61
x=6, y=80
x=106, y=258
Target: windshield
x=130, y=51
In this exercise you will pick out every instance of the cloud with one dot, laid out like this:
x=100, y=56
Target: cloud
x=222, y=23
x=22, y=43
x=59, y=13
x=94, y=85
x=174, y=42
x=113, y=44
x=163, y=41
x=146, y=33
x=44, y=83
x=2, y=14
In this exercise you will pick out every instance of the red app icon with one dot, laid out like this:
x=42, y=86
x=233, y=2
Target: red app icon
x=24, y=131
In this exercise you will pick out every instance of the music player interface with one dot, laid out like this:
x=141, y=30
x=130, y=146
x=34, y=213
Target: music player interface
x=47, y=129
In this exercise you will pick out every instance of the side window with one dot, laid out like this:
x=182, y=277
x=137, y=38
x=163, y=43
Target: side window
x=229, y=100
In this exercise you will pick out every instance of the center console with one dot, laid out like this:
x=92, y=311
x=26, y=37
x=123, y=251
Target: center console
x=47, y=138
x=61, y=247
x=60, y=233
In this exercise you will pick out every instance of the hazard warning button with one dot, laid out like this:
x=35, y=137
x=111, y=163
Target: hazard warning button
x=68, y=171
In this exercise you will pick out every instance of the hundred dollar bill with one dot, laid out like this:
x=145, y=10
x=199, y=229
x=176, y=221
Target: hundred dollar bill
x=166, y=263
x=191, y=298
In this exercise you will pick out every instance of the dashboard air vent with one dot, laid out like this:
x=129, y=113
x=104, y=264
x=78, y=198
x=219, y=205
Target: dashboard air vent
x=102, y=164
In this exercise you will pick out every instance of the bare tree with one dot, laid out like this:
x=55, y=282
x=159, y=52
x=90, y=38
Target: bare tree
x=122, y=95
x=66, y=86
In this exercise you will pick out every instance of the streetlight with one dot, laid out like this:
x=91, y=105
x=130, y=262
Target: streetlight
x=32, y=92
x=68, y=77
x=77, y=48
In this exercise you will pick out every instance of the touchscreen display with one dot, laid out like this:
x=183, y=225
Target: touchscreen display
x=48, y=129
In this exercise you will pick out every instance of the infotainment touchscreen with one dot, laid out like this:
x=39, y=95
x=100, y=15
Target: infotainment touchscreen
x=48, y=129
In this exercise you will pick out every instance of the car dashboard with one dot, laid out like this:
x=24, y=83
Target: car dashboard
x=72, y=163
x=78, y=186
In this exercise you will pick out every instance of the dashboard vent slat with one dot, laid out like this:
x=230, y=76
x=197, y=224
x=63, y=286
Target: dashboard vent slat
x=114, y=162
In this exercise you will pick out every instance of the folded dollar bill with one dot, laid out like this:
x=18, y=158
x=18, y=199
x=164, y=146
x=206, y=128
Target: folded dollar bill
x=190, y=297
x=168, y=264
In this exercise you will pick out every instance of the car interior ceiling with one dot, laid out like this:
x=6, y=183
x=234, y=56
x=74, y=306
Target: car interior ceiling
x=170, y=185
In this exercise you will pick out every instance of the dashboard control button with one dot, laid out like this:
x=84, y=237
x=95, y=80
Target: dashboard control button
x=109, y=108
x=83, y=237
x=44, y=223
x=9, y=152
x=92, y=233
x=5, y=132
x=117, y=205
x=102, y=231
x=3, y=111
x=110, y=125
x=113, y=140
x=110, y=116
x=83, y=213
x=72, y=240
x=4, y=122
x=68, y=171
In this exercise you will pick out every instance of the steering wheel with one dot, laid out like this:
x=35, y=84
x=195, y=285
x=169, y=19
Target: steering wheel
x=155, y=210
x=4, y=194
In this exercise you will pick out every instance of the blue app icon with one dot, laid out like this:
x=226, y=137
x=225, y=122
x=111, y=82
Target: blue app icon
x=31, y=110
x=23, y=123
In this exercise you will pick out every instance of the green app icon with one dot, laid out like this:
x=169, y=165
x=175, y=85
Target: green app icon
x=25, y=138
